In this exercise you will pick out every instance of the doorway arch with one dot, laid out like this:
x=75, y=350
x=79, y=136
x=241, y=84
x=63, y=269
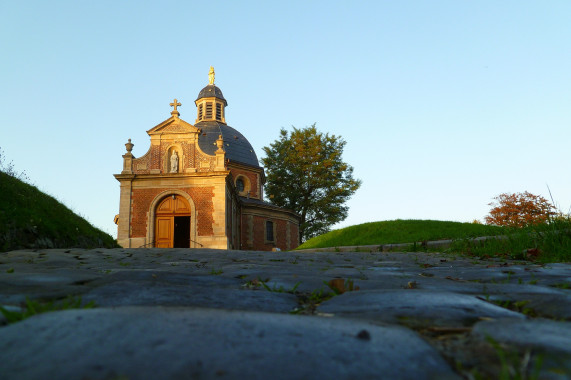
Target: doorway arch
x=172, y=221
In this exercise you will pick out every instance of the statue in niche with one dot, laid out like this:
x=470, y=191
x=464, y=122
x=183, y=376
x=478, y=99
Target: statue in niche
x=174, y=162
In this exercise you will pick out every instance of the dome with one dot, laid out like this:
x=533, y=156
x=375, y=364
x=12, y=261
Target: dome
x=211, y=91
x=237, y=147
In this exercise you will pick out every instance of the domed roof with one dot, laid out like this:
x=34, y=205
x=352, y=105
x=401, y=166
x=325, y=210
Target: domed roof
x=211, y=91
x=237, y=147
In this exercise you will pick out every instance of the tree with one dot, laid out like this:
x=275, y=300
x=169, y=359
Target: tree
x=519, y=210
x=305, y=173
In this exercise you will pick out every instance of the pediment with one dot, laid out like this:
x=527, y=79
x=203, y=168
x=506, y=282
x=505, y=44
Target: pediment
x=173, y=125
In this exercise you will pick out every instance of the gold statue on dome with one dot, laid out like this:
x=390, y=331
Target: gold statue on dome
x=211, y=75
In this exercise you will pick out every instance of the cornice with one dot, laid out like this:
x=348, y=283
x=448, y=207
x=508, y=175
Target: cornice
x=186, y=126
x=222, y=173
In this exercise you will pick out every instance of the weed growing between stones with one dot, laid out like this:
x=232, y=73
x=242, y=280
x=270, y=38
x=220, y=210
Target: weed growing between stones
x=32, y=307
x=519, y=306
x=514, y=365
x=216, y=272
x=281, y=289
x=308, y=302
x=258, y=283
x=340, y=285
x=476, y=359
x=253, y=284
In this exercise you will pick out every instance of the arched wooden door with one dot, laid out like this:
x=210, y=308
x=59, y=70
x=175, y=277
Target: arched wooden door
x=172, y=223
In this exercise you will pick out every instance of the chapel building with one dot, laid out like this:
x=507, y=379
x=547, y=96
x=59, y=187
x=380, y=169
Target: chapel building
x=199, y=186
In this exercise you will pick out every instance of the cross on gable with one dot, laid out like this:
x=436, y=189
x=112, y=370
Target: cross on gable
x=175, y=104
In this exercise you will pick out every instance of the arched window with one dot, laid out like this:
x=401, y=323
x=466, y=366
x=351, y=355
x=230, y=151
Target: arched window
x=243, y=186
x=240, y=185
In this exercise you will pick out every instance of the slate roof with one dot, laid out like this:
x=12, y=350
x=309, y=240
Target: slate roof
x=210, y=91
x=237, y=147
x=257, y=202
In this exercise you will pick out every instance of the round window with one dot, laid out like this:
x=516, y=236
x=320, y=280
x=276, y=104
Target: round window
x=240, y=185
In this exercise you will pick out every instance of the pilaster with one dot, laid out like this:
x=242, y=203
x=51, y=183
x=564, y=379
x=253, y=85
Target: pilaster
x=124, y=227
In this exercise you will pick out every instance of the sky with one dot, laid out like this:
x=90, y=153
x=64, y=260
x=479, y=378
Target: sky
x=443, y=104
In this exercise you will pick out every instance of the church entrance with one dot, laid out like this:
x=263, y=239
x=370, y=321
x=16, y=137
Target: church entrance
x=181, y=237
x=172, y=223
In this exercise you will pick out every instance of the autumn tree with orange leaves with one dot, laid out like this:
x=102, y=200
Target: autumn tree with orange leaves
x=519, y=210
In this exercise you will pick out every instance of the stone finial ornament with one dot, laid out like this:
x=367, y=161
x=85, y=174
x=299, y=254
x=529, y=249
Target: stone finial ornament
x=129, y=146
x=211, y=75
x=220, y=144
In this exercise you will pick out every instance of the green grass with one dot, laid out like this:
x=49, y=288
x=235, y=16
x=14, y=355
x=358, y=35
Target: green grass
x=549, y=242
x=400, y=231
x=33, y=307
x=31, y=219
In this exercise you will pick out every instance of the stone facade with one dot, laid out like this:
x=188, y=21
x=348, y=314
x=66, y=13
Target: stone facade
x=213, y=171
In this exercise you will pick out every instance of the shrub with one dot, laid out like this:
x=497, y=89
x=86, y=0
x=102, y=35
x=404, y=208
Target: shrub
x=520, y=210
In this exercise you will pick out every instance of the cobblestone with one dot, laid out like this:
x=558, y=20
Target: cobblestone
x=176, y=313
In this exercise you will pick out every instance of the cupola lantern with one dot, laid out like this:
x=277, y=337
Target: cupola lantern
x=210, y=102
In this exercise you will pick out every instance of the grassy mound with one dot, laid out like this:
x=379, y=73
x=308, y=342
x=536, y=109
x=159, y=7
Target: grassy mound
x=400, y=231
x=549, y=242
x=32, y=219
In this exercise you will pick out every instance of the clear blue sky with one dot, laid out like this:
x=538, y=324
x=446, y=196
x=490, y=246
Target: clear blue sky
x=443, y=104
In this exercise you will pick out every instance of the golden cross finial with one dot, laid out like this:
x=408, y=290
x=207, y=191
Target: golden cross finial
x=211, y=75
x=175, y=104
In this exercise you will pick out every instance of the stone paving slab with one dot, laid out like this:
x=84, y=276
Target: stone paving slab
x=413, y=307
x=553, y=336
x=544, y=340
x=175, y=289
x=179, y=343
x=425, y=315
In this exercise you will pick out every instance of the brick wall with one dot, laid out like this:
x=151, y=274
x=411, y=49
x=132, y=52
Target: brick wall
x=246, y=233
x=252, y=176
x=258, y=231
x=201, y=196
x=155, y=157
x=280, y=237
x=188, y=150
x=294, y=235
x=142, y=165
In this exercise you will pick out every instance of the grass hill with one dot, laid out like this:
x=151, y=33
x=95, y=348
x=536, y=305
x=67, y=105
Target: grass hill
x=400, y=231
x=31, y=219
x=549, y=242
